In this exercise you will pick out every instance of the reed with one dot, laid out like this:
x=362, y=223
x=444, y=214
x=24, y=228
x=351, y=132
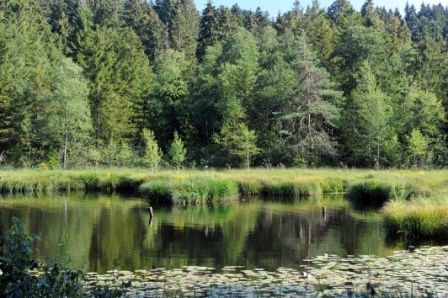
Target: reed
x=420, y=218
x=189, y=191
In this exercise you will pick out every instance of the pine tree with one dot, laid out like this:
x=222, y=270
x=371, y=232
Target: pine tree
x=120, y=79
x=310, y=114
x=26, y=66
x=172, y=88
x=185, y=30
x=143, y=19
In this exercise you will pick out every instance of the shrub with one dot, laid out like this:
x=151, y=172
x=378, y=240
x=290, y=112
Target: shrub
x=17, y=264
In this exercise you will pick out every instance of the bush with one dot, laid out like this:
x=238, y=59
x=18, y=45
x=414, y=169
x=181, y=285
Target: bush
x=17, y=265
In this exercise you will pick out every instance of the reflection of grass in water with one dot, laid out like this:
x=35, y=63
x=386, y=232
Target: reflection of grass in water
x=54, y=201
x=366, y=215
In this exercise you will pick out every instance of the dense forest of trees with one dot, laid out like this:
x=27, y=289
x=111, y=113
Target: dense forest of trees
x=140, y=83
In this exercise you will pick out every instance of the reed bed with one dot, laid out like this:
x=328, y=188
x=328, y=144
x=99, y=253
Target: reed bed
x=189, y=191
x=362, y=186
x=419, y=218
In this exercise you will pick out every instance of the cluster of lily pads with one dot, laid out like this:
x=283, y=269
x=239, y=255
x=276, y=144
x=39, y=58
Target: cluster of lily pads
x=423, y=272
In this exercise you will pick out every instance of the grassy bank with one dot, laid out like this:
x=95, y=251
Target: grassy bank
x=192, y=190
x=406, y=194
x=418, y=219
x=362, y=186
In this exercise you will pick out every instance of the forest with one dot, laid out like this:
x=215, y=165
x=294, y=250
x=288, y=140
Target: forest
x=160, y=84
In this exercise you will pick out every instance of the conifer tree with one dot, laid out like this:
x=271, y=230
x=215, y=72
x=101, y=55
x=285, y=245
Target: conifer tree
x=208, y=29
x=309, y=117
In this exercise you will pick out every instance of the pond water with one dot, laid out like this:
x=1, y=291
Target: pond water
x=99, y=233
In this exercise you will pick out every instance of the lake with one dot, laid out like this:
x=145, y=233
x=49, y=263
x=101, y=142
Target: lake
x=103, y=232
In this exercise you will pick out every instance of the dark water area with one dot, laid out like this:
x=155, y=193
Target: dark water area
x=100, y=233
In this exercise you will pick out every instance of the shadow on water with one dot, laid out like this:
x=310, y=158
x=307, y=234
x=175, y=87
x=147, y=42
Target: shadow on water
x=99, y=233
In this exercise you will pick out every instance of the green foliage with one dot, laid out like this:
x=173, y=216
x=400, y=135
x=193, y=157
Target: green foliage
x=190, y=191
x=236, y=139
x=418, y=146
x=152, y=154
x=117, y=155
x=310, y=113
x=69, y=124
x=373, y=117
x=177, y=153
x=82, y=80
x=17, y=264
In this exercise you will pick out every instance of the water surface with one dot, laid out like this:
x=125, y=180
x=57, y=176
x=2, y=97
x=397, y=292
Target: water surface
x=99, y=233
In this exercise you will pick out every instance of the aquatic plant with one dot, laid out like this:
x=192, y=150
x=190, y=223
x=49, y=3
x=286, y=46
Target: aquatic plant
x=189, y=191
x=420, y=218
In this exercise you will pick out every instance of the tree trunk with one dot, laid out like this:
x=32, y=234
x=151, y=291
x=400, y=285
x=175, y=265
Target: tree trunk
x=65, y=151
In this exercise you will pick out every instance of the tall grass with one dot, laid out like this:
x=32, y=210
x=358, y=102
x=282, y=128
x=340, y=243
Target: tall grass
x=420, y=218
x=189, y=191
x=282, y=184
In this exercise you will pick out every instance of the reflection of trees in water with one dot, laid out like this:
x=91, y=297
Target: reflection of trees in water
x=108, y=232
x=286, y=239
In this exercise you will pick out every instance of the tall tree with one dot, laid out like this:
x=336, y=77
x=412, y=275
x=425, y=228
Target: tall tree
x=69, y=124
x=208, y=32
x=143, y=19
x=235, y=139
x=185, y=31
x=172, y=88
x=310, y=114
x=119, y=74
x=27, y=56
x=373, y=115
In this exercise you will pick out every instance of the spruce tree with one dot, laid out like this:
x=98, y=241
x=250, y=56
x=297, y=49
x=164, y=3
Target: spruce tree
x=208, y=29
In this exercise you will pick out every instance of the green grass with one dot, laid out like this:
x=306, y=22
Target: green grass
x=419, y=218
x=189, y=191
x=362, y=186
